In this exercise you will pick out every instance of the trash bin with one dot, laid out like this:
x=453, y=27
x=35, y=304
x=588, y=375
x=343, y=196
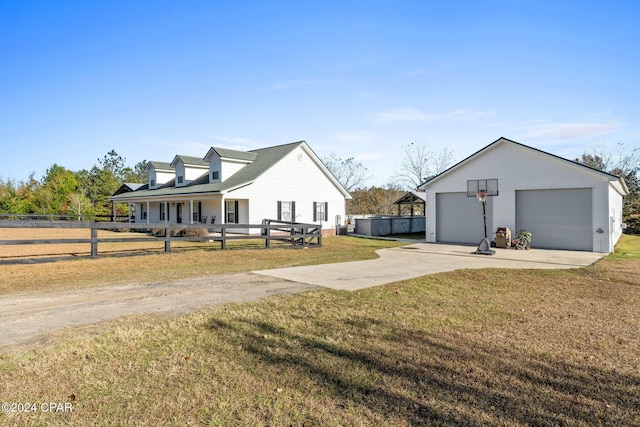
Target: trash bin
x=503, y=237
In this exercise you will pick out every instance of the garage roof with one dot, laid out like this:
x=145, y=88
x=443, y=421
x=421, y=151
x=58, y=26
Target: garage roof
x=503, y=140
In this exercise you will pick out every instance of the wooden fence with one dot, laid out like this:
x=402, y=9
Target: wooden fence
x=297, y=234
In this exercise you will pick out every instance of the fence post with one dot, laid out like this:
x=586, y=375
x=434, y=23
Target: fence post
x=223, y=234
x=94, y=242
x=167, y=242
x=304, y=237
x=267, y=239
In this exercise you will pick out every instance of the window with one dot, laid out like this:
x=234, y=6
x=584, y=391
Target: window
x=232, y=211
x=153, y=182
x=215, y=175
x=287, y=211
x=163, y=213
x=180, y=179
x=320, y=211
x=143, y=210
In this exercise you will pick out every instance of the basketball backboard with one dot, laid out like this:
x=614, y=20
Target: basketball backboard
x=475, y=186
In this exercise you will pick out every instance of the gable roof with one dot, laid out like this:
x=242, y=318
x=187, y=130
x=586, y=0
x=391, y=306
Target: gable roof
x=264, y=159
x=225, y=153
x=160, y=166
x=503, y=140
x=190, y=161
x=128, y=187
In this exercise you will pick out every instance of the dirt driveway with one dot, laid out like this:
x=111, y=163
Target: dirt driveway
x=28, y=319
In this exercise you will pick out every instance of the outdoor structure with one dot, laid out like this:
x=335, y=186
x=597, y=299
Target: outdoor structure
x=565, y=205
x=284, y=183
x=412, y=199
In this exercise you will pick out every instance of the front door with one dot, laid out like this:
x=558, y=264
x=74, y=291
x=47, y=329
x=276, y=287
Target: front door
x=179, y=213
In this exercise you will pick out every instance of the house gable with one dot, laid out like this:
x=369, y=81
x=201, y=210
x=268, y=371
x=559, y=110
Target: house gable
x=224, y=163
x=187, y=169
x=159, y=173
x=528, y=175
x=530, y=155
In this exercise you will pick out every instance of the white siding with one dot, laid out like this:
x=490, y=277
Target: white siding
x=295, y=178
x=159, y=177
x=520, y=168
x=188, y=173
x=615, y=216
x=226, y=167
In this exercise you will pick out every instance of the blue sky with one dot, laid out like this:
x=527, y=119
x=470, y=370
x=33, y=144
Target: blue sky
x=359, y=79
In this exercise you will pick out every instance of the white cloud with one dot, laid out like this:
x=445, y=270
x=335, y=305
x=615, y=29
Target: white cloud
x=187, y=148
x=416, y=115
x=357, y=136
x=235, y=141
x=571, y=130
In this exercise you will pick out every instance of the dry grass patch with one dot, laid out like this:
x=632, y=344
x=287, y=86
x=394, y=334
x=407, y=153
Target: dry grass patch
x=489, y=347
x=186, y=261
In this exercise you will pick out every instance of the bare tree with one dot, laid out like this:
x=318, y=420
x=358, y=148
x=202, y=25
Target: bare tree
x=350, y=173
x=420, y=163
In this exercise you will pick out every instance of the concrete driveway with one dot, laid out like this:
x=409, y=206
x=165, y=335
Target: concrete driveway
x=420, y=259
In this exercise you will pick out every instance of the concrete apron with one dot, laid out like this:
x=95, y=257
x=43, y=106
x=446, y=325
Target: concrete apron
x=420, y=259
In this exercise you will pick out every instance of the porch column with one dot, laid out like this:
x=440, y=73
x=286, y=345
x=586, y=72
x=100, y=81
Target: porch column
x=223, y=211
x=190, y=211
x=129, y=212
x=113, y=217
x=148, y=212
x=166, y=212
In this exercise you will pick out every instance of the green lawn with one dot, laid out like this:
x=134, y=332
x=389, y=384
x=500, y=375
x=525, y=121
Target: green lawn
x=472, y=348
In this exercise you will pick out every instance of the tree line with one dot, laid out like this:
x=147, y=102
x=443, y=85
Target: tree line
x=86, y=192
x=64, y=192
x=420, y=164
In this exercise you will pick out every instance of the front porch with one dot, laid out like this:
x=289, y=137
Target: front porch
x=206, y=211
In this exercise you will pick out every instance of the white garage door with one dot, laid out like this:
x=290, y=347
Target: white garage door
x=459, y=218
x=557, y=219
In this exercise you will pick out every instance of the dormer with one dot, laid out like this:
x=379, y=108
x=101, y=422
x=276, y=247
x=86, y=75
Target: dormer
x=188, y=168
x=223, y=163
x=159, y=173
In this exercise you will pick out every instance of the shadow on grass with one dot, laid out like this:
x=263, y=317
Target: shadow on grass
x=420, y=378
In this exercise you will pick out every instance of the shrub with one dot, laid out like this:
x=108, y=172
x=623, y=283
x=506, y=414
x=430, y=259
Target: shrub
x=182, y=232
x=633, y=224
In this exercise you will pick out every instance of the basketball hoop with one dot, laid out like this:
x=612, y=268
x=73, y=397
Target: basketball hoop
x=482, y=196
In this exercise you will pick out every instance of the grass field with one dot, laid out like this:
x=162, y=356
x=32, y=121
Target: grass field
x=186, y=260
x=481, y=347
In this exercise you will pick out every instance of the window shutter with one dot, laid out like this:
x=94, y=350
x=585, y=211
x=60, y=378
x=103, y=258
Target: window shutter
x=315, y=212
x=326, y=211
x=235, y=208
x=293, y=211
x=279, y=210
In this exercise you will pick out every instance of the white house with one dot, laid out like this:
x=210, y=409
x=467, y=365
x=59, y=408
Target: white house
x=286, y=182
x=565, y=205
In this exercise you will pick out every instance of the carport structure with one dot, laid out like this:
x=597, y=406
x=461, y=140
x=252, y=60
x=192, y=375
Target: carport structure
x=564, y=204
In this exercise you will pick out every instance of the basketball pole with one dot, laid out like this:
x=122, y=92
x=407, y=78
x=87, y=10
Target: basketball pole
x=484, y=248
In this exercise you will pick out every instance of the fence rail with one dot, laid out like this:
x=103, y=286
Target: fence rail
x=297, y=234
x=65, y=217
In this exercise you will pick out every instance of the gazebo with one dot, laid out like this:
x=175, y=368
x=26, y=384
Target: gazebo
x=412, y=198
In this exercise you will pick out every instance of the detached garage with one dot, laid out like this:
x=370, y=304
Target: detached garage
x=565, y=205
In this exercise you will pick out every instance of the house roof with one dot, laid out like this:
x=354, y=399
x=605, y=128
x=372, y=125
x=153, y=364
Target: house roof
x=225, y=153
x=190, y=161
x=160, y=166
x=411, y=197
x=128, y=187
x=503, y=140
x=264, y=159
